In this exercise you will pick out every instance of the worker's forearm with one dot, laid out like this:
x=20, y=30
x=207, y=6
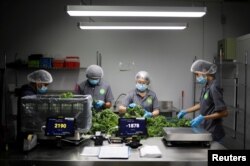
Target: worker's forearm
x=217, y=115
x=194, y=108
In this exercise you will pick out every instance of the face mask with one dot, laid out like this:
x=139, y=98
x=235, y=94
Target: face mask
x=42, y=90
x=93, y=82
x=141, y=87
x=201, y=80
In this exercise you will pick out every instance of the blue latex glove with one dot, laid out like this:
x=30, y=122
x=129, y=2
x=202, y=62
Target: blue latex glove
x=132, y=105
x=147, y=114
x=181, y=114
x=99, y=104
x=197, y=121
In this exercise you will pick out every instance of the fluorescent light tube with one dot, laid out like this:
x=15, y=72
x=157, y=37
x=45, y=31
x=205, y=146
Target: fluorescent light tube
x=131, y=26
x=135, y=11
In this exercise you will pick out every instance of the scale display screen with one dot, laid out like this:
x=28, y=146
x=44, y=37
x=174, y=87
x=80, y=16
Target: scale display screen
x=60, y=127
x=132, y=126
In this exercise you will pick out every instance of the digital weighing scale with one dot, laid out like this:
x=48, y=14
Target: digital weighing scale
x=186, y=136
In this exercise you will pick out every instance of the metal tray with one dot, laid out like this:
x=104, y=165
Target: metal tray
x=186, y=134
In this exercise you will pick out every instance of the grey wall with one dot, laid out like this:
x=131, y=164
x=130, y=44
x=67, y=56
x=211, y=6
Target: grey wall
x=44, y=27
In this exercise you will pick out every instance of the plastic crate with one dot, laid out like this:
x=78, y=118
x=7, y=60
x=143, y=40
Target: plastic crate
x=72, y=62
x=37, y=108
x=46, y=62
x=33, y=63
x=58, y=63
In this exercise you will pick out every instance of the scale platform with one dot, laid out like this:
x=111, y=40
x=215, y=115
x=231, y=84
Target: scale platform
x=186, y=135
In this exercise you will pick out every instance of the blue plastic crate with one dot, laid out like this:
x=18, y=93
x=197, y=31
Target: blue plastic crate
x=46, y=62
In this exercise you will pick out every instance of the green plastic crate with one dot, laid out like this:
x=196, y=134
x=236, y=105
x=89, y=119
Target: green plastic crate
x=33, y=63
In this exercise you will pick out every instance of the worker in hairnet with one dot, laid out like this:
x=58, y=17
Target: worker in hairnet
x=141, y=96
x=38, y=83
x=212, y=106
x=97, y=88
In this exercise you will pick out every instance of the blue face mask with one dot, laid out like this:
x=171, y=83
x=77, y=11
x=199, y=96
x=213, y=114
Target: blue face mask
x=201, y=80
x=93, y=82
x=141, y=87
x=42, y=90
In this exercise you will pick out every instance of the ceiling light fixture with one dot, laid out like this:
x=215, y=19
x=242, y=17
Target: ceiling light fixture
x=135, y=11
x=131, y=26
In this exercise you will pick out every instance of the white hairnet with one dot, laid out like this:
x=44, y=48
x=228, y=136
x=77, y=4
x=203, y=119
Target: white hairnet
x=94, y=72
x=142, y=75
x=40, y=76
x=203, y=67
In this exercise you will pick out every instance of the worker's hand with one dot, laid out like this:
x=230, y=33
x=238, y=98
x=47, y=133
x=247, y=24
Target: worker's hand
x=99, y=104
x=197, y=121
x=132, y=105
x=147, y=114
x=181, y=114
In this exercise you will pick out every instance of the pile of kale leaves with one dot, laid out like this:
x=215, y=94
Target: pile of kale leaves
x=106, y=121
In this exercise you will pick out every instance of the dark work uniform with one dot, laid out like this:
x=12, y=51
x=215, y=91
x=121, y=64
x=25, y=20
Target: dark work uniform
x=25, y=90
x=211, y=101
x=101, y=91
x=148, y=102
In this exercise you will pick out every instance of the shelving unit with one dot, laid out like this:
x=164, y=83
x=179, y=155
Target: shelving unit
x=228, y=80
x=20, y=73
x=232, y=76
x=32, y=68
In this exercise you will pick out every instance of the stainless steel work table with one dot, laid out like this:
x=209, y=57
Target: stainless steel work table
x=70, y=155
